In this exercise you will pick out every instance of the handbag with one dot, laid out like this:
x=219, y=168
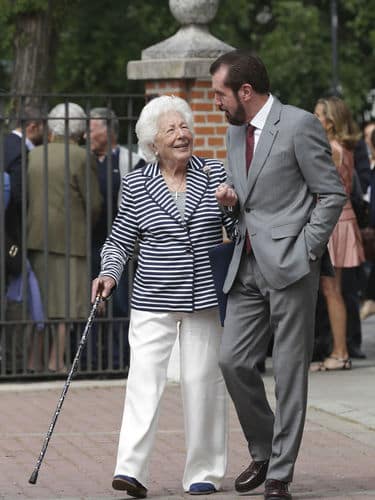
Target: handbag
x=220, y=257
x=368, y=240
x=13, y=257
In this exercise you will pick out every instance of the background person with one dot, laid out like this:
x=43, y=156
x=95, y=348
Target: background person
x=352, y=278
x=27, y=134
x=113, y=162
x=169, y=207
x=279, y=162
x=368, y=306
x=6, y=186
x=345, y=244
x=30, y=124
x=367, y=132
x=57, y=270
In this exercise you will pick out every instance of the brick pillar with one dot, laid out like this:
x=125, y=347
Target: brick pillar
x=209, y=123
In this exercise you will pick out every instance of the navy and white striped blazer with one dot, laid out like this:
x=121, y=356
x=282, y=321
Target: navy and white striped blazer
x=173, y=272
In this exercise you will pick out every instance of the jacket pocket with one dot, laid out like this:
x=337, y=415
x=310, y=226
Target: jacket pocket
x=285, y=231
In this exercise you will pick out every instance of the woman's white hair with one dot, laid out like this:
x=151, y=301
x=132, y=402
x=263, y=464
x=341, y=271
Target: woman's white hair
x=148, y=123
x=76, y=120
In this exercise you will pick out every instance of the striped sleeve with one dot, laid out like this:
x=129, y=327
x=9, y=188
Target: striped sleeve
x=119, y=246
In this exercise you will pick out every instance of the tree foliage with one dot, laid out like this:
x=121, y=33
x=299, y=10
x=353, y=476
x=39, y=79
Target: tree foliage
x=96, y=39
x=295, y=44
x=101, y=37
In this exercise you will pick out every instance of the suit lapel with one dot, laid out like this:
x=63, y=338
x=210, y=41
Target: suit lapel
x=266, y=140
x=239, y=159
x=196, y=185
x=159, y=192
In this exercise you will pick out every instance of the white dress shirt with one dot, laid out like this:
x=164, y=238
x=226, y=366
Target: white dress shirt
x=260, y=119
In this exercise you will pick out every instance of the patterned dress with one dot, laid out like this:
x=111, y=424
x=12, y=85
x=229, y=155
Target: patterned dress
x=345, y=244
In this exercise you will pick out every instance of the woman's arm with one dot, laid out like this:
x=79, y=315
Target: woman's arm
x=119, y=246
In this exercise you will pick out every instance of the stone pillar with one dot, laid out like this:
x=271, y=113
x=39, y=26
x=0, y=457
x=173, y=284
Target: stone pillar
x=180, y=65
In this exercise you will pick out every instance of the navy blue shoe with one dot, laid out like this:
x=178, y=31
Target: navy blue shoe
x=202, y=489
x=129, y=484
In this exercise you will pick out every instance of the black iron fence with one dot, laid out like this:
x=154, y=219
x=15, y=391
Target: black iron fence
x=35, y=342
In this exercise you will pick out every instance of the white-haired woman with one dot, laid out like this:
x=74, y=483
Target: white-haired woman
x=57, y=193
x=169, y=208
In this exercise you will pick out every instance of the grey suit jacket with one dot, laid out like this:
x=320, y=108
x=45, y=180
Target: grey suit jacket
x=291, y=169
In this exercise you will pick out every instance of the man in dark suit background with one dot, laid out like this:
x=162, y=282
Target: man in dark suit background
x=27, y=134
x=113, y=162
x=352, y=278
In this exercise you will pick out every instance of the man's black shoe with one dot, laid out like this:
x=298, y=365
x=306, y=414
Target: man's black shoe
x=276, y=490
x=252, y=477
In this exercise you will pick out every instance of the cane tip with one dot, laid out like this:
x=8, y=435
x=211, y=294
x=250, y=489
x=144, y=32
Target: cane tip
x=33, y=477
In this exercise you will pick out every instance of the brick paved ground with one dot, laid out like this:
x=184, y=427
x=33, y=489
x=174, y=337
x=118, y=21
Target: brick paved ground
x=336, y=460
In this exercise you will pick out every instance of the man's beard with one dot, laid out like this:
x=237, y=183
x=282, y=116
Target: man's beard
x=238, y=117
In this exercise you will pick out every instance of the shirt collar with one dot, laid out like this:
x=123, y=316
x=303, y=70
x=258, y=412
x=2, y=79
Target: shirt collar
x=115, y=154
x=28, y=143
x=260, y=118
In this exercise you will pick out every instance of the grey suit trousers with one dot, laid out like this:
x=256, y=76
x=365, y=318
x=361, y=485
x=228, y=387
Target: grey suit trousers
x=254, y=312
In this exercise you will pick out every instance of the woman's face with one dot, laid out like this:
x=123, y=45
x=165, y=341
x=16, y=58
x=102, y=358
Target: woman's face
x=320, y=114
x=174, y=141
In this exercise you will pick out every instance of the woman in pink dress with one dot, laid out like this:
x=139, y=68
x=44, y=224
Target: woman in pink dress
x=345, y=244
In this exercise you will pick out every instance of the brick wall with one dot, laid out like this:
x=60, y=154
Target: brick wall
x=209, y=122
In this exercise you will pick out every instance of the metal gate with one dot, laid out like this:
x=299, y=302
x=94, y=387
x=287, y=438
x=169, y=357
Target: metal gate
x=31, y=338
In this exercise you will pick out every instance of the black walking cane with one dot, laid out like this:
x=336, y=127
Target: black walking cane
x=34, y=475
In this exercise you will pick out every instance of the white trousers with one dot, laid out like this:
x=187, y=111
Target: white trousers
x=151, y=337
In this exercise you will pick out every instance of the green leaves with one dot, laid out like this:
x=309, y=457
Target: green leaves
x=296, y=46
x=96, y=39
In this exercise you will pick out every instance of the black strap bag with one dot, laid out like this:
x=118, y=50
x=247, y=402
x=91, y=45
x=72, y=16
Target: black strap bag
x=13, y=257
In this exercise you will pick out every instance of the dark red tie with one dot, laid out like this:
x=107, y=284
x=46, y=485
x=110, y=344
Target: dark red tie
x=249, y=146
x=249, y=157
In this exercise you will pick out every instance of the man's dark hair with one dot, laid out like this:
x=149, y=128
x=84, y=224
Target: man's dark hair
x=243, y=67
x=26, y=115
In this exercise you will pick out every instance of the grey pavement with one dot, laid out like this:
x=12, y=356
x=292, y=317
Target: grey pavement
x=336, y=460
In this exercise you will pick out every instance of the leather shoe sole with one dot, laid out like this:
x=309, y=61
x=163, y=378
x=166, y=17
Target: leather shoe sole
x=252, y=477
x=130, y=485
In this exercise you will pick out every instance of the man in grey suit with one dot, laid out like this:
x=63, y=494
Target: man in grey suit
x=287, y=195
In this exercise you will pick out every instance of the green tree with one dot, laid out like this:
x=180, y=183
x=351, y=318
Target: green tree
x=91, y=42
x=29, y=29
x=99, y=39
x=295, y=43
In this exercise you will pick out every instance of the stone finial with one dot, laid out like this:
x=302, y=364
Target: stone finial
x=189, y=52
x=195, y=11
x=193, y=38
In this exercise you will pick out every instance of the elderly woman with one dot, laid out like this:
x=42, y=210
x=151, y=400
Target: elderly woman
x=169, y=208
x=64, y=179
